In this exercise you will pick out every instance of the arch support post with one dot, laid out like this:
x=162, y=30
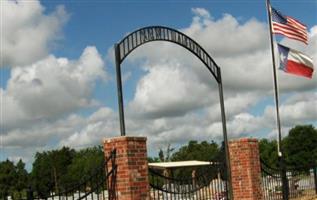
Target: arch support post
x=119, y=89
x=225, y=136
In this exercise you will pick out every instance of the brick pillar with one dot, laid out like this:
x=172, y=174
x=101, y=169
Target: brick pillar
x=245, y=169
x=132, y=175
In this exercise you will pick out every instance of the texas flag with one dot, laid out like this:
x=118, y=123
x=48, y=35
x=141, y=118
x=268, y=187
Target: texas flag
x=295, y=62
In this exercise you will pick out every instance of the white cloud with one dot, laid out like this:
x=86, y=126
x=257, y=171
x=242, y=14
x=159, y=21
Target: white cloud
x=234, y=104
x=175, y=101
x=180, y=84
x=50, y=88
x=44, y=132
x=241, y=49
x=61, y=131
x=102, y=123
x=300, y=108
x=201, y=12
x=176, y=83
x=227, y=36
x=243, y=124
x=169, y=90
x=74, y=131
x=26, y=32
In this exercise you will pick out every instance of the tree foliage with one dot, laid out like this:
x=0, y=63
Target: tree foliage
x=7, y=177
x=84, y=163
x=268, y=152
x=166, y=157
x=49, y=169
x=194, y=150
x=57, y=169
x=13, y=179
x=22, y=176
x=300, y=146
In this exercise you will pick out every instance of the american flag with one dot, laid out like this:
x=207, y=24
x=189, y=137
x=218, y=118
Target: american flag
x=288, y=26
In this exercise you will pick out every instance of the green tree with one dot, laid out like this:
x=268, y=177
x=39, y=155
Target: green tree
x=7, y=178
x=13, y=179
x=60, y=160
x=84, y=163
x=22, y=180
x=203, y=151
x=268, y=152
x=153, y=159
x=166, y=157
x=41, y=174
x=300, y=146
x=49, y=170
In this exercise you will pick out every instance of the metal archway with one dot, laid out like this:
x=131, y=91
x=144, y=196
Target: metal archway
x=161, y=33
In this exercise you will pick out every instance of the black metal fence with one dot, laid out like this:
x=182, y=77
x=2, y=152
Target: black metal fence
x=299, y=183
x=209, y=183
x=99, y=185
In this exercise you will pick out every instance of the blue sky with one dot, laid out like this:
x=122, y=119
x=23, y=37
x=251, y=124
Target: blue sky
x=58, y=77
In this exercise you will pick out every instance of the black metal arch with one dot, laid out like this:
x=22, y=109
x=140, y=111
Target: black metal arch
x=161, y=33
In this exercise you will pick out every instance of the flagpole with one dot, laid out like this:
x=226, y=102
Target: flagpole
x=285, y=189
x=276, y=94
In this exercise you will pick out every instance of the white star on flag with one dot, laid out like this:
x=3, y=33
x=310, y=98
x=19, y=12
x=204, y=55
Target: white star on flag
x=282, y=57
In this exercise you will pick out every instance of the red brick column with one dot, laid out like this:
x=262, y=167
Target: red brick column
x=132, y=175
x=245, y=169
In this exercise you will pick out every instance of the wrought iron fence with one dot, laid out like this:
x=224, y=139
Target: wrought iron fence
x=271, y=182
x=99, y=185
x=209, y=183
x=300, y=183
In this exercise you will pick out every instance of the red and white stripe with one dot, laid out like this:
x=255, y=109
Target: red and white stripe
x=293, y=29
x=299, y=64
x=290, y=32
x=296, y=23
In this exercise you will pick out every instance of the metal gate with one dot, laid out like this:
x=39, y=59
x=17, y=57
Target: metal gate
x=298, y=183
x=209, y=183
x=99, y=185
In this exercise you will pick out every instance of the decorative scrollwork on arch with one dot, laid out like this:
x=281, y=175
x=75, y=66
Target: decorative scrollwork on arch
x=161, y=33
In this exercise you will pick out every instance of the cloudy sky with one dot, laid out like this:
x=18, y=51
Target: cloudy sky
x=58, y=83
